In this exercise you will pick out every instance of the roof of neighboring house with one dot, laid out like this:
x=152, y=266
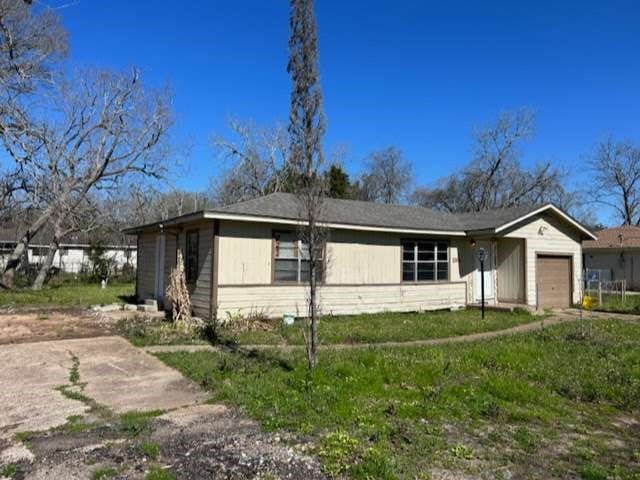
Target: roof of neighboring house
x=10, y=233
x=627, y=236
x=338, y=213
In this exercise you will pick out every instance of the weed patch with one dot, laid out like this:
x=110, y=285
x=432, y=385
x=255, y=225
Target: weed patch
x=159, y=473
x=8, y=471
x=134, y=424
x=150, y=449
x=74, y=373
x=103, y=473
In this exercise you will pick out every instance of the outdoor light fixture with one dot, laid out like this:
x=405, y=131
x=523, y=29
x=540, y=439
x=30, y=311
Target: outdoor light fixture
x=472, y=242
x=482, y=255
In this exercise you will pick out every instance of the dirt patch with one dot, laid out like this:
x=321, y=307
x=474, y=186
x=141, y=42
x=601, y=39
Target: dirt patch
x=37, y=325
x=205, y=441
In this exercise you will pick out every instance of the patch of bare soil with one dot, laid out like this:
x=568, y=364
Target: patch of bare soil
x=36, y=325
x=199, y=442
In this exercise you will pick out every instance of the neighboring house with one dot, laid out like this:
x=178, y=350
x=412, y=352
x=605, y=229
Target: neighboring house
x=74, y=252
x=246, y=258
x=616, y=254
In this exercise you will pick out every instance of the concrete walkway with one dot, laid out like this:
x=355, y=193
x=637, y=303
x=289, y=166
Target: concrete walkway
x=558, y=317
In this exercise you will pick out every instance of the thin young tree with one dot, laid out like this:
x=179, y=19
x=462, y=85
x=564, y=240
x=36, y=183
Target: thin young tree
x=306, y=127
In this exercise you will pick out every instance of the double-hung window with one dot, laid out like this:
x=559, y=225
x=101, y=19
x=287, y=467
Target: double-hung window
x=291, y=259
x=425, y=261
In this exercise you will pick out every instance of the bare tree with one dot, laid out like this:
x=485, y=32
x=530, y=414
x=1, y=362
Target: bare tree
x=387, y=177
x=30, y=46
x=104, y=130
x=495, y=178
x=616, y=181
x=258, y=157
x=306, y=127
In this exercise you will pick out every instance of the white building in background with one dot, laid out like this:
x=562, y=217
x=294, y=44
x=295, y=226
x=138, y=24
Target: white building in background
x=74, y=255
x=71, y=258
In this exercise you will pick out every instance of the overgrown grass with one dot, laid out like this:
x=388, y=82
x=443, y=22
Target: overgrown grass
x=523, y=405
x=366, y=328
x=68, y=295
x=613, y=303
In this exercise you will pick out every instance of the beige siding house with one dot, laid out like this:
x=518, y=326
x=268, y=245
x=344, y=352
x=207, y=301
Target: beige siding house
x=246, y=258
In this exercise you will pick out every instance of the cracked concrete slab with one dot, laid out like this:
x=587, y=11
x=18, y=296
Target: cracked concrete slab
x=115, y=373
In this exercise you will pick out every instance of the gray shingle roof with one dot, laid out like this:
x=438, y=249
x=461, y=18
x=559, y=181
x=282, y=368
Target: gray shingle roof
x=353, y=212
x=284, y=206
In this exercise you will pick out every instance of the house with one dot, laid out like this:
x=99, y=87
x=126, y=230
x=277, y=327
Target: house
x=74, y=253
x=615, y=255
x=246, y=258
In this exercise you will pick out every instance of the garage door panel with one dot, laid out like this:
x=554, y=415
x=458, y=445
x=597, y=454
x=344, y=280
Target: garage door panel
x=554, y=281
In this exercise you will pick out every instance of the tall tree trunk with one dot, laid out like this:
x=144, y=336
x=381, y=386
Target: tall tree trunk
x=312, y=344
x=16, y=257
x=45, y=268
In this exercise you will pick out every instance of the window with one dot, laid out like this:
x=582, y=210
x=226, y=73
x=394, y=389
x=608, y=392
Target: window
x=291, y=259
x=425, y=261
x=191, y=260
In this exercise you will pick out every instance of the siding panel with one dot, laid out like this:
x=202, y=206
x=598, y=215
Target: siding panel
x=245, y=253
x=201, y=291
x=146, y=272
x=274, y=301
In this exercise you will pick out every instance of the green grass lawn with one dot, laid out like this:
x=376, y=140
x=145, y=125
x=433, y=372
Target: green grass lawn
x=548, y=404
x=372, y=328
x=68, y=295
x=613, y=303
x=386, y=327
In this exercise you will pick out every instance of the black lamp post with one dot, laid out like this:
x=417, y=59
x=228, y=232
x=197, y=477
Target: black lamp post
x=482, y=254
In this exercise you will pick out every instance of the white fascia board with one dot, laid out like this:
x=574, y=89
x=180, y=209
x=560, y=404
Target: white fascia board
x=556, y=210
x=343, y=226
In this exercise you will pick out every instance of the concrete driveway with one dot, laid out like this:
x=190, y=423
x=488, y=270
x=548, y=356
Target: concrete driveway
x=113, y=372
x=193, y=439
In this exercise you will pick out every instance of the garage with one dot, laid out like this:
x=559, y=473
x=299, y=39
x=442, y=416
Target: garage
x=554, y=281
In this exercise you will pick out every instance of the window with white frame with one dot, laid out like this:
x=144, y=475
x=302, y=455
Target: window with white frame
x=291, y=259
x=425, y=261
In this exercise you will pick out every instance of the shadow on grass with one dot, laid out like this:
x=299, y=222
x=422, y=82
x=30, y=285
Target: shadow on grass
x=268, y=358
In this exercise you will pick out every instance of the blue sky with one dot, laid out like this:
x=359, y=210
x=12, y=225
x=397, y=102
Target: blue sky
x=415, y=74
